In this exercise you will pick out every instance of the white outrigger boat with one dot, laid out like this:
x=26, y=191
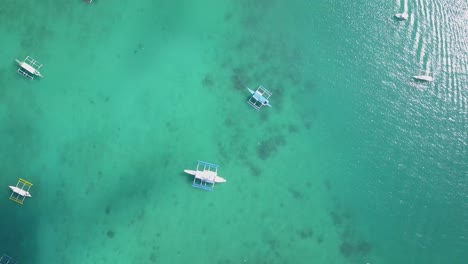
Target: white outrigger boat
x=29, y=67
x=205, y=176
x=20, y=191
x=259, y=97
x=424, y=78
x=402, y=16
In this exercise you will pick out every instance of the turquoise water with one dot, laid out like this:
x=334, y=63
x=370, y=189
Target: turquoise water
x=354, y=163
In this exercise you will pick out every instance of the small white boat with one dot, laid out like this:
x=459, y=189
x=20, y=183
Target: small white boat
x=29, y=68
x=401, y=16
x=206, y=175
x=260, y=97
x=20, y=191
x=424, y=78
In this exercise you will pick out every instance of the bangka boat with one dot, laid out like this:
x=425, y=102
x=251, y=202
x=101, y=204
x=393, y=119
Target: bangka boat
x=20, y=191
x=29, y=67
x=205, y=176
x=424, y=78
x=259, y=97
x=401, y=16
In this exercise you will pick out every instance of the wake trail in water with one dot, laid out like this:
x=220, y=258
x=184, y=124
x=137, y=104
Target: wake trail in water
x=450, y=53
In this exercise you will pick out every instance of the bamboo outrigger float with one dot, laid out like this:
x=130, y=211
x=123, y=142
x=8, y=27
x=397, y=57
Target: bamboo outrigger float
x=4, y=259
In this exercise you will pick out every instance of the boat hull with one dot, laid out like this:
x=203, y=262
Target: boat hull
x=20, y=191
x=217, y=178
x=401, y=16
x=423, y=78
x=191, y=172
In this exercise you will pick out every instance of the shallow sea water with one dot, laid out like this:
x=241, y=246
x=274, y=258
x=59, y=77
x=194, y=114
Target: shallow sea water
x=354, y=163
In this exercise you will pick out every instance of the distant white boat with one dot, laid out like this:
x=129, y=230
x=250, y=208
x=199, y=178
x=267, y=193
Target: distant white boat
x=425, y=78
x=402, y=16
x=20, y=191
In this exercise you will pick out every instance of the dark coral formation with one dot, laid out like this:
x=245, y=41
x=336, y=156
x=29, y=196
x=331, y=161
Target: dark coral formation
x=336, y=218
x=320, y=239
x=107, y=210
x=292, y=129
x=110, y=234
x=305, y=233
x=349, y=249
x=268, y=147
x=208, y=81
x=295, y=193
